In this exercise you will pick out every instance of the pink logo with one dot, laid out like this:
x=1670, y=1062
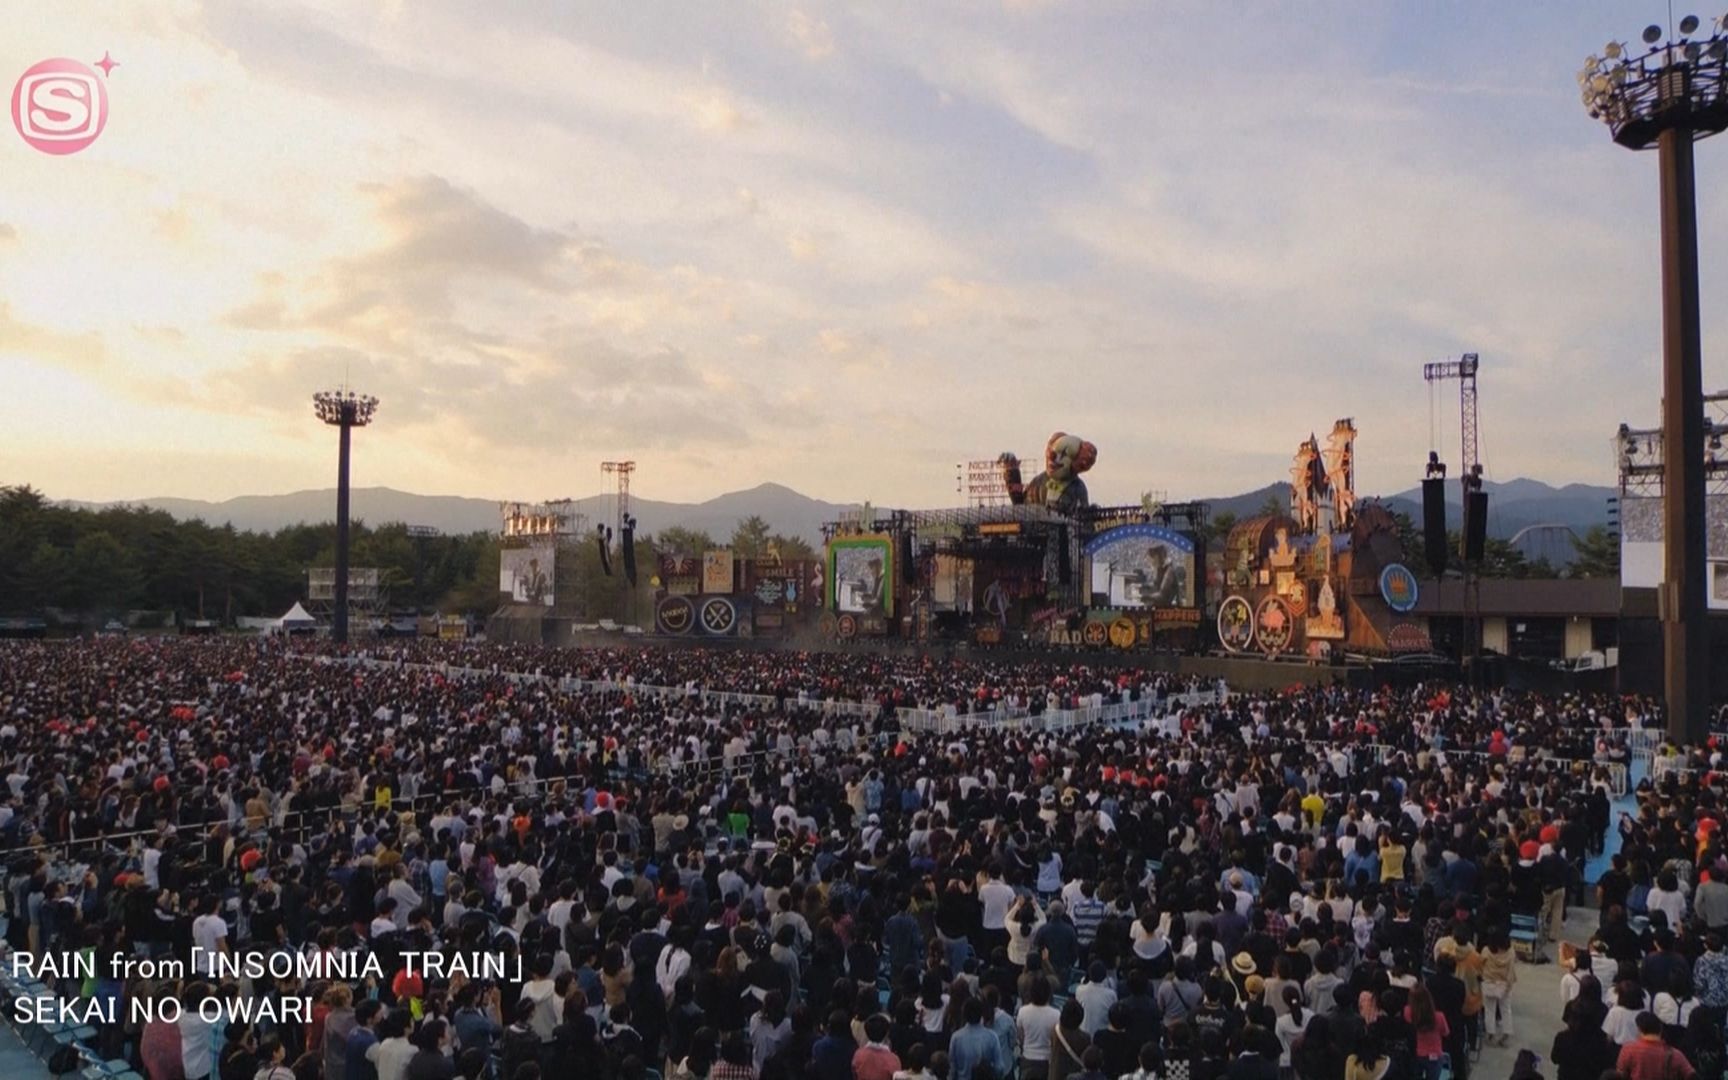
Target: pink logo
x=59, y=106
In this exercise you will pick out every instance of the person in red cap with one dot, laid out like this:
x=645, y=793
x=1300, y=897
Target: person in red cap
x=410, y=988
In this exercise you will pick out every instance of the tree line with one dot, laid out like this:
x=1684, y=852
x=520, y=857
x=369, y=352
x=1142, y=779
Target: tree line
x=125, y=558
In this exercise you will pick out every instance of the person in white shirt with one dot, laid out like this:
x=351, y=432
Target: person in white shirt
x=403, y=893
x=996, y=897
x=1621, y=1024
x=558, y=913
x=1023, y=925
x=1667, y=898
x=541, y=989
x=1095, y=996
x=209, y=939
x=153, y=863
x=384, y=921
x=1033, y=1026
x=673, y=963
x=393, y=1051
x=197, y=1056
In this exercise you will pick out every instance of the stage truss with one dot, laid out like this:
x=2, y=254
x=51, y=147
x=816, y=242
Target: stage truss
x=368, y=596
x=1639, y=454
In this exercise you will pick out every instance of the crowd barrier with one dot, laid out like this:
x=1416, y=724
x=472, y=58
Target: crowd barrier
x=1616, y=773
x=1161, y=712
x=1641, y=742
x=937, y=721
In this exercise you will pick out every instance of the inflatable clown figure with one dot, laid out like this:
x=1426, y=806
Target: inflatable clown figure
x=1059, y=486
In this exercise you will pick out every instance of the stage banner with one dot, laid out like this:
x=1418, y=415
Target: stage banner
x=674, y=615
x=718, y=616
x=861, y=575
x=1399, y=588
x=784, y=585
x=1235, y=624
x=680, y=575
x=717, y=572
x=526, y=574
x=1274, y=625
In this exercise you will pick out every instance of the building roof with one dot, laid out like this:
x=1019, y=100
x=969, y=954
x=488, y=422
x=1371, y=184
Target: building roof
x=1529, y=597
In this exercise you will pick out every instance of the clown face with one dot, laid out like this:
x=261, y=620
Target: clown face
x=1060, y=455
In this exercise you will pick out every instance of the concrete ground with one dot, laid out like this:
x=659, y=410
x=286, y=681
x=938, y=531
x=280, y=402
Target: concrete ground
x=1536, y=994
x=1535, y=1008
x=17, y=1060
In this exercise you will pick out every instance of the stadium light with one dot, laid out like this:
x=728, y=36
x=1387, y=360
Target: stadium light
x=1669, y=97
x=345, y=411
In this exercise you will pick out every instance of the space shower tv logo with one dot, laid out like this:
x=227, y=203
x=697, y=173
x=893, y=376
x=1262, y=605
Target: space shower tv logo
x=60, y=106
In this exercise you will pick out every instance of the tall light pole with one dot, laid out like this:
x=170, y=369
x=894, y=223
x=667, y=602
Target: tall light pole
x=1669, y=97
x=345, y=411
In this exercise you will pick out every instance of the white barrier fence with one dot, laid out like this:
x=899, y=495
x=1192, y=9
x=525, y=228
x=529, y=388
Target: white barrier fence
x=937, y=721
x=1164, y=711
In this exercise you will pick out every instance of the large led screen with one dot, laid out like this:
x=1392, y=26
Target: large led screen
x=526, y=574
x=861, y=575
x=1642, y=562
x=1141, y=566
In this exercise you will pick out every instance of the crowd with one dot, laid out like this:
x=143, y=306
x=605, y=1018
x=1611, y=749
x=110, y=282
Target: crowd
x=1318, y=883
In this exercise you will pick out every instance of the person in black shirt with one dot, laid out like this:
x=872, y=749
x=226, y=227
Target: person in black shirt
x=1256, y=1058
x=1663, y=968
x=1582, y=1048
x=429, y=1062
x=1613, y=887
x=1447, y=990
x=1213, y=1017
x=1143, y=1012
x=1118, y=1043
x=239, y=1056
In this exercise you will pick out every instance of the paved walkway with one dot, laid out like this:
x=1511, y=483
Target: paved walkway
x=1535, y=1007
x=16, y=1060
x=1536, y=994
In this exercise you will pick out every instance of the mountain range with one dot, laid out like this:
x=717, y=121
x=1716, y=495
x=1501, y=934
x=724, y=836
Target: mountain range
x=786, y=511
x=1512, y=506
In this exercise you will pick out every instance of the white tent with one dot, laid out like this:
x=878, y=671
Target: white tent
x=295, y=619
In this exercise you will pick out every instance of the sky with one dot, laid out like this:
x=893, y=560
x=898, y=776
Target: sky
x=842, y=247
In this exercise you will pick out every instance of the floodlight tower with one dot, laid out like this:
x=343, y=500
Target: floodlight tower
x=1668, y=98
x=345, y=411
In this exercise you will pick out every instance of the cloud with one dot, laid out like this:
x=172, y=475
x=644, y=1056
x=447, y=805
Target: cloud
x=550, y=233
x=445, y=255
x=465, y=317
x=713, y=112
x=811, y=33
x=803, y=246
x=76, y=352
x=834, y=342
x=566, y=394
